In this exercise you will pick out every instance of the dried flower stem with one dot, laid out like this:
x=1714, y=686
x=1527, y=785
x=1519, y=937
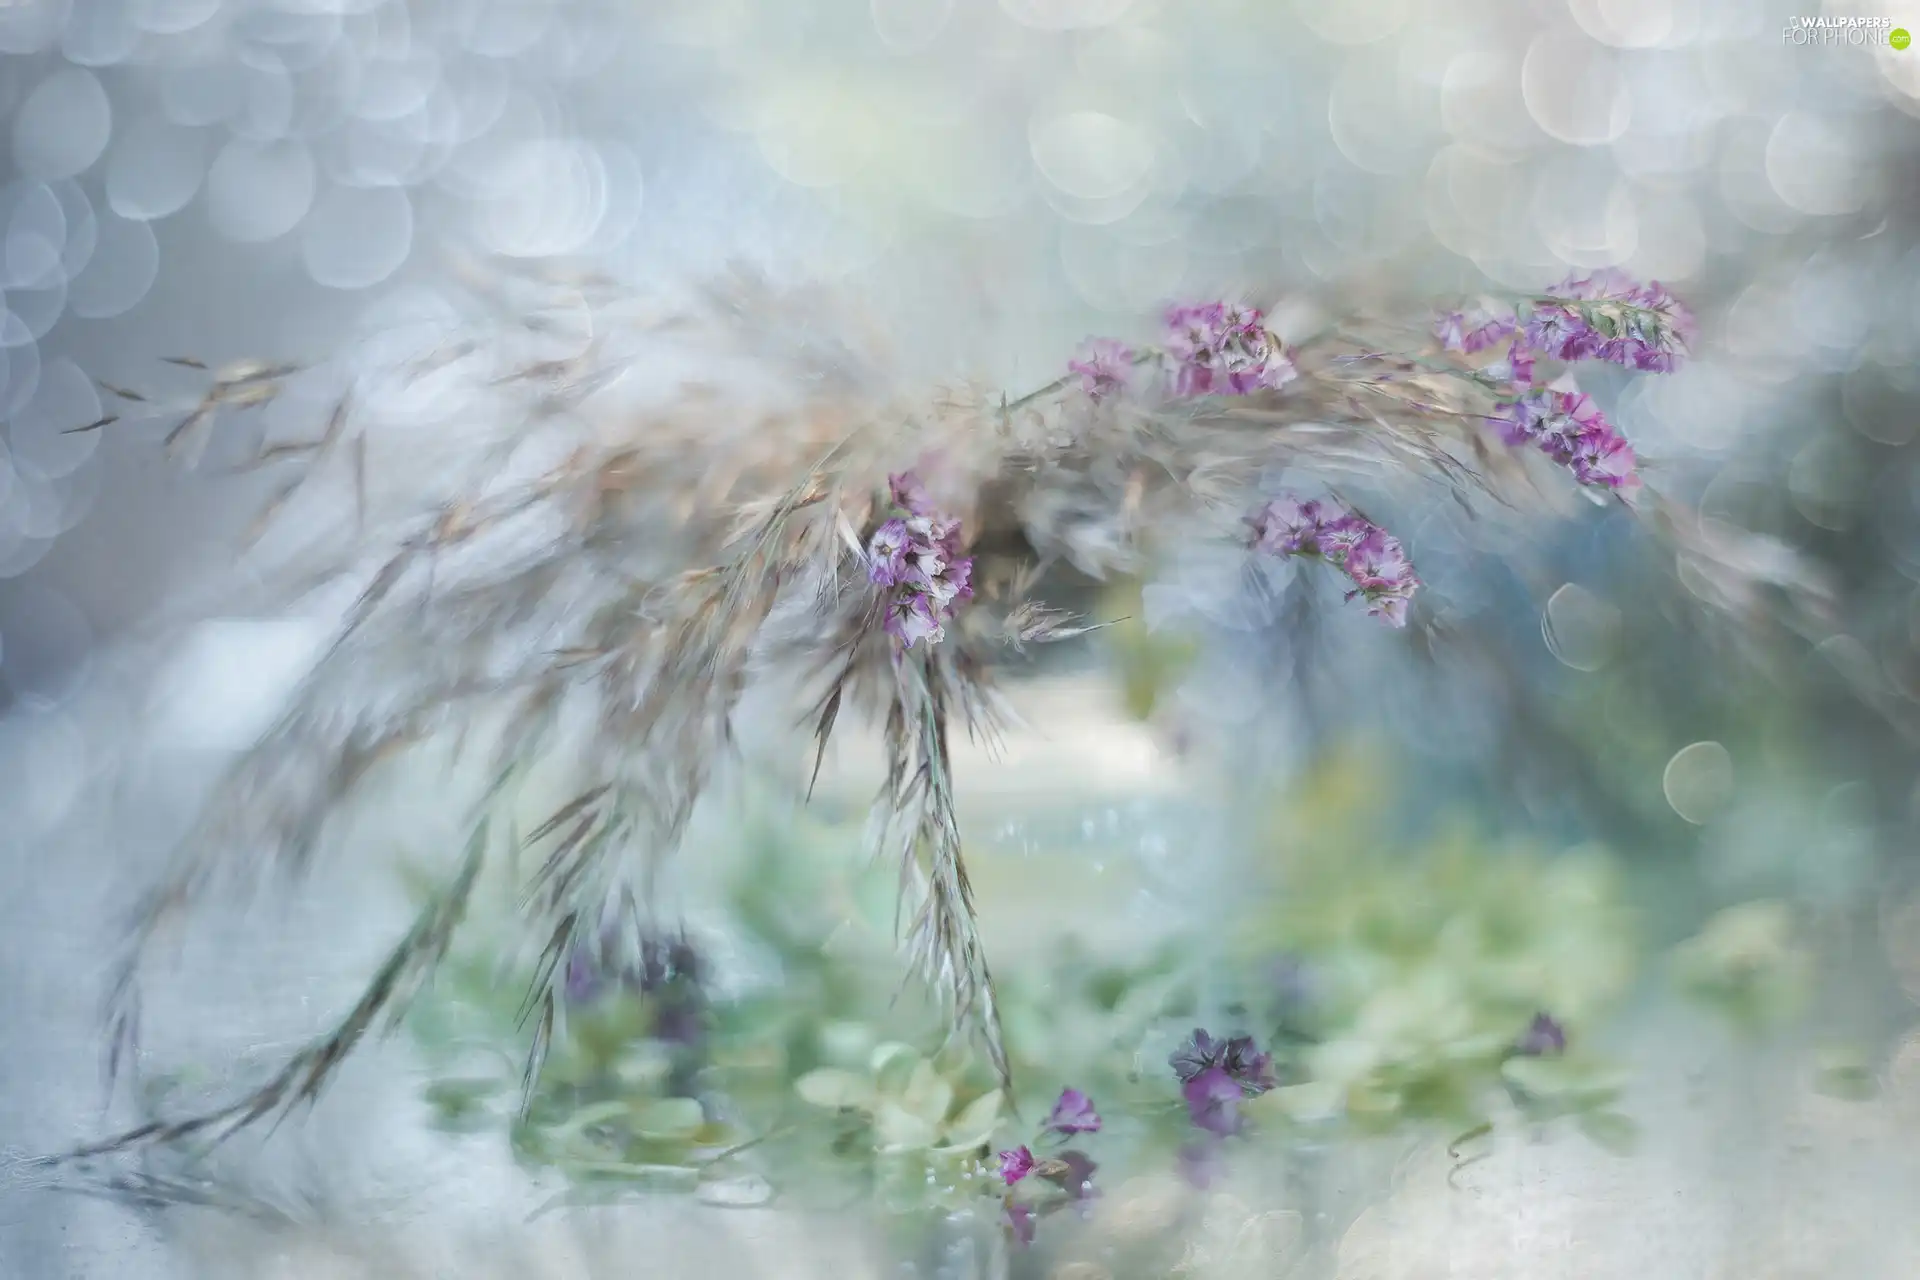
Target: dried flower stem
x=691, y=546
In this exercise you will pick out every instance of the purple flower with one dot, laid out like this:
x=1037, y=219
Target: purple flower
x=912, y=617
x=1559, y=332
x=1390, y=607
x=1015, y=1164
x=1567, y=426
x=666, y=976
x=930, y=546
x=1074, y=1113
x=1288, y=526
x=663, y=963
x=1105, y=367
x=1341, y=534
x=1213, y=1101
x=1679, y=325
x=1371, y=556
x=1200, y=1053
x=1635, y=326
x=1377, y=561
x=1202, y=1162
x=1193, y=328
x=918, y=557
x=1240, y=1058
x=1020, y=1221
x=887, y=553
x=1519, y=420
x=1543, y=1038
x=1520, y=364
x=1224, y=349
x=1252, y=1069
x=1071, y=1171
x=1381, y=573
x=1516, y=368
x=1603, y=458
x=1474, y=329
x=959, y=577
x=1567, y=417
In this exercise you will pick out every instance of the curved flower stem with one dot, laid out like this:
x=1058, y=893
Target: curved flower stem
x=1058, y=384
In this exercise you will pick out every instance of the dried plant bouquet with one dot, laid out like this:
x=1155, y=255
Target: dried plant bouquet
x=773, y=512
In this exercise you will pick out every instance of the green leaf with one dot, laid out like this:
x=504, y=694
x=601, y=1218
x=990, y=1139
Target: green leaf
x=893, y=1065
x=664, y=1177
x=668, y=1118
x=833, y=1088
x=586, y=1117
x=1611, y=1131
x=1567, y=1081
x=1307, y=1103
x=974, y=1126
x=927, y=1095
x=897, y=1129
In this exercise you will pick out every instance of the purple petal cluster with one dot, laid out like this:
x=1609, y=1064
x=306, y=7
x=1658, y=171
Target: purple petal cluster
x=1220, y=348
x=1516, y=368
x=1567, y=426
x=669, y=974
x=1473, y=329
x=1606, y=316
x=592, y=970
x=916, y=554
x=1069, y=1173
x=1104, y=367
x=1238, y=1057
x=1364, y=551
x=1213, y=1102
x=1543, y=1038
x=1073, y=1113
x=1609, y=316
x=1015, y=1164
x=1216, y=1076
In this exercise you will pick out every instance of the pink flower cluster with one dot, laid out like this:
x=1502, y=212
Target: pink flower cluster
x=916, y=553
x=1608, y=316
x=1068, y=1173
x=1105, y=365
x=1368, y=554
x=1221, y=348
x=1604, y=316
x=1566, y=425
x=1216, y=1076
x=1473, y=329
x=1216, y=348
